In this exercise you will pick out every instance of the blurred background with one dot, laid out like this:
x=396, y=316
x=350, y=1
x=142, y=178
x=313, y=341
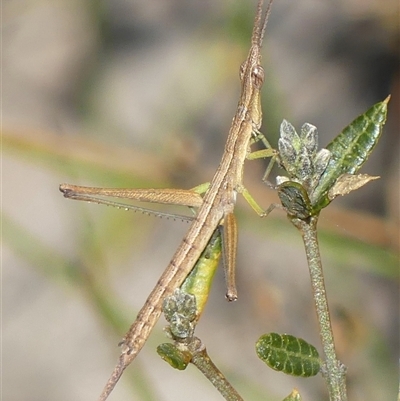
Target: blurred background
x=141, y=94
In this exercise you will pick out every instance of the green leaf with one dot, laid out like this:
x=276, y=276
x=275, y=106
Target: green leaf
x=288, y=354
x=351, y=149
x=175, y=357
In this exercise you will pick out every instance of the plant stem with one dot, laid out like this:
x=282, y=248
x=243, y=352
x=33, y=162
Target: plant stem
x=180, y=310
x=334, y=371
x=203, y=362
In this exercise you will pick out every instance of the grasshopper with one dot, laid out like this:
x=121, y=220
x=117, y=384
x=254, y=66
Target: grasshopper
x=215, y=207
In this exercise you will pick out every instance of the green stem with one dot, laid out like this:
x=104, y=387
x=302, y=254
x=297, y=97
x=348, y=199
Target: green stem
x=334, y=371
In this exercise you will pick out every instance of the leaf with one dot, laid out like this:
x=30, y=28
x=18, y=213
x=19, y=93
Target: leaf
x=175, y=357
x=349, y=182
x=298, y=151
x=351, y=148
x=180, y=311
x=181, y=303
x=295, y=200
x=288, y=354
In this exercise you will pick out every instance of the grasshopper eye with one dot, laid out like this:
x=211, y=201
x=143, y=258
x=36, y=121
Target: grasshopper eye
x=257, y=75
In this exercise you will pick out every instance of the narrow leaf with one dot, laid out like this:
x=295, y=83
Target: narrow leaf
x=351, y=148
